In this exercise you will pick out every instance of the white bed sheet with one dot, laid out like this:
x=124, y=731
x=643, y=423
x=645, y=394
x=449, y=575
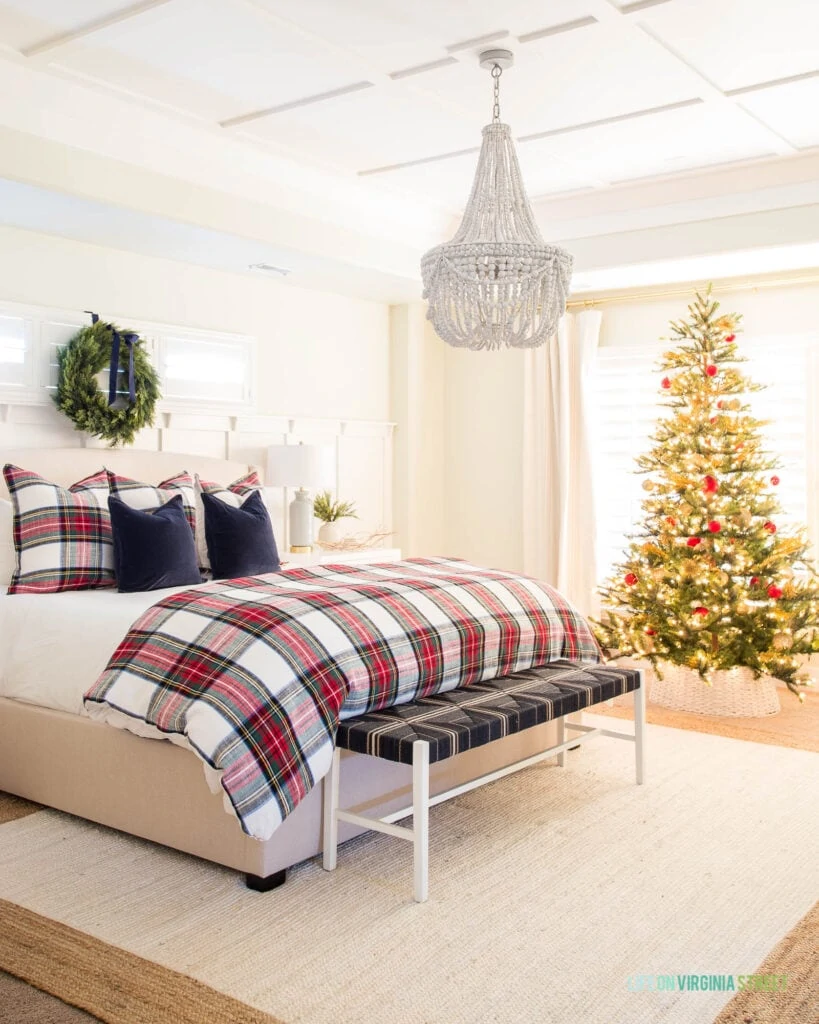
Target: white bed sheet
x=54, y=646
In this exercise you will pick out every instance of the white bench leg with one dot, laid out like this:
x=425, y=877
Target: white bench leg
x=561, y=738
x=330, y=831
x=420, y=819
x=639, y=729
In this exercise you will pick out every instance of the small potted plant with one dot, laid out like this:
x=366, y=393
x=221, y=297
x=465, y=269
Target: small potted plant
x=331, y=513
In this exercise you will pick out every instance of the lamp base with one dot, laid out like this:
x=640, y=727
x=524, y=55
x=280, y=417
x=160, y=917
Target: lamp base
x=301, y=522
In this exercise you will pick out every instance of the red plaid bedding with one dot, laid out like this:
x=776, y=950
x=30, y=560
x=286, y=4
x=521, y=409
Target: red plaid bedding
x=256, y=673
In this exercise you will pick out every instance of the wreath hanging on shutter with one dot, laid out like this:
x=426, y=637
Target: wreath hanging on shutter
x=133, y=383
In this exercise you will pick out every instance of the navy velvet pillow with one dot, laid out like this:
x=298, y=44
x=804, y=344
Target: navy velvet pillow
x=153, y=549
x=240, y=540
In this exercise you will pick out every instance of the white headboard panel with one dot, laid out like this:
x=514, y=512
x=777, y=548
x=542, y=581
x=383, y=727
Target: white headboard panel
x=66, y=466
x=39, y=438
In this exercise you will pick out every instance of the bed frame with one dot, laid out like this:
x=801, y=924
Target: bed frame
x=156, y=790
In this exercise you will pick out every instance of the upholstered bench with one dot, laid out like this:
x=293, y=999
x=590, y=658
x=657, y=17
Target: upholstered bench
x=435, y=728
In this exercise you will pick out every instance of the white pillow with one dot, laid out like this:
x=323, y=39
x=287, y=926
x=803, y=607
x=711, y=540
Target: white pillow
x=8, y=556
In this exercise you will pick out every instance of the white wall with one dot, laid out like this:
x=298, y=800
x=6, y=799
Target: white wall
x=484, y=451
x=322, y=361
x=418, y=391
x=320, y=355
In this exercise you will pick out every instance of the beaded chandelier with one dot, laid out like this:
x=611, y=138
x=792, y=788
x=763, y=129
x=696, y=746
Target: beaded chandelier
x=496, y=284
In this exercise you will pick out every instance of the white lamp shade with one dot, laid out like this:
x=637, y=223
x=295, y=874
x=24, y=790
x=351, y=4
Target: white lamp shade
x=311, y=466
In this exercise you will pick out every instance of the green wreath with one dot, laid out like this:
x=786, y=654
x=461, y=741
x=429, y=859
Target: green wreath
x=79, y=395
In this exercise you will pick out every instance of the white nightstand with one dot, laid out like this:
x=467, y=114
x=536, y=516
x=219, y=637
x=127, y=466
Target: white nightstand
x=319, y=557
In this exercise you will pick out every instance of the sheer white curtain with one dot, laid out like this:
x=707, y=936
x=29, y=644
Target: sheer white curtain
x=558, y=496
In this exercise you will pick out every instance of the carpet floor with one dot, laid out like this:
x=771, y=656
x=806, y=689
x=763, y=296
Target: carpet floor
x=551, y=892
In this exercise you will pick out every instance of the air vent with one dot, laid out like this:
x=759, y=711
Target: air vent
x=268, y=268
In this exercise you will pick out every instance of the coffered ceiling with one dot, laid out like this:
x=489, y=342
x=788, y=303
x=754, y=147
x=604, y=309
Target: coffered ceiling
x=384, y=98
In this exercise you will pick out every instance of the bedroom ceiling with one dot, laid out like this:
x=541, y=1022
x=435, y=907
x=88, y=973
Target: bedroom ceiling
x=379, y=103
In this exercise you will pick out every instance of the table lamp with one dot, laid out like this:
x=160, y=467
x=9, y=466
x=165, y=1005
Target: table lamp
x=306, y=467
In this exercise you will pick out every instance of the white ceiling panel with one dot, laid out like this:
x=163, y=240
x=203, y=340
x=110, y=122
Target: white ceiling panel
x=395, y=34
x=64, y=15
x=785, y=107
x=658, y=144
x=741, y=42
x=141, y=81
x=372, y=128
x=569, y=79
x=229, y=49
x=451, y=180
x=24, y=23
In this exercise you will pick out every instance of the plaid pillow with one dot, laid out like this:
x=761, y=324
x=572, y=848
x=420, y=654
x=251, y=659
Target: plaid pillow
x=62, y=536
x=234, y=494
x=145, y=496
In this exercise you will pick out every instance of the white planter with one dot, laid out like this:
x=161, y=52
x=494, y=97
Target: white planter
x=330, y=533
x=732, y=693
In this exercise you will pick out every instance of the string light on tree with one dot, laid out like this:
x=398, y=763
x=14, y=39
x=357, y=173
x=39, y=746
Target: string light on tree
x=710, y=582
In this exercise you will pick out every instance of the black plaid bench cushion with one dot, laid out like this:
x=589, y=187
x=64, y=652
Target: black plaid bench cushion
x=475, y=715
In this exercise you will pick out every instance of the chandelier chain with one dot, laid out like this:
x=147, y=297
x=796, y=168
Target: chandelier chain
x=497, y=71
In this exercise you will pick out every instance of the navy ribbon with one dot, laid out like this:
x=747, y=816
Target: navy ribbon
x=118, y=337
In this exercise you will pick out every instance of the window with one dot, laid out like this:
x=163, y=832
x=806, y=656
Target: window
x=626, y=403
x=193, y=368
x=15, y=352
x=205, y=370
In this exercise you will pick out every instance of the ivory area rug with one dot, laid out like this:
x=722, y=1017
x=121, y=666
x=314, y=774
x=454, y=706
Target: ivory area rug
x=557, y=895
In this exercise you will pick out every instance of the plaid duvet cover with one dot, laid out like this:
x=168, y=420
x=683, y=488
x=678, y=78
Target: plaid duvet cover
x=256, y=673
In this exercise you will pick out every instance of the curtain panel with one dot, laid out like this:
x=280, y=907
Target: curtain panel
x=558, y=493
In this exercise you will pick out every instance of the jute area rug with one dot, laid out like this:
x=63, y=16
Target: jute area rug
x=554, y=895
x=796, y=725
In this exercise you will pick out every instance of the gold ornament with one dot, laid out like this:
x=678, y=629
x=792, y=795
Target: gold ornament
x=782, y=641
x=648, y=485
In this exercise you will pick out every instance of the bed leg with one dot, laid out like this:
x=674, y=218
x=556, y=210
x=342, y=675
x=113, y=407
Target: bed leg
x=259, y=884
x=561, y=738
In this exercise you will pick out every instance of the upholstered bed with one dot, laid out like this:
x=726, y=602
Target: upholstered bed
x=59, y=757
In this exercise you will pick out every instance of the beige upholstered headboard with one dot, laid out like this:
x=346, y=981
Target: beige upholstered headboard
x=66, y=466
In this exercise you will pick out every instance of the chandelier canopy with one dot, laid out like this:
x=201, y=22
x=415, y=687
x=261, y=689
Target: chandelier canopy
x=497, y=283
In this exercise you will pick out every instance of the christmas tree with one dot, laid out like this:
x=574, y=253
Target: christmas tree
x=710, y=582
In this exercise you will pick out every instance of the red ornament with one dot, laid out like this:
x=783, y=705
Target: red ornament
x=770, y=527
x=713, y=419
x=730, y=338
x=665, y=383
x=671, y=521
x=775, y=481
x=754, y=581
x=711, y=370
x=630, y=579
x=693, y=542
x=701, y=610
x=710, y=485
x=651, y=632
x=714, y=526
x=774, y=593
